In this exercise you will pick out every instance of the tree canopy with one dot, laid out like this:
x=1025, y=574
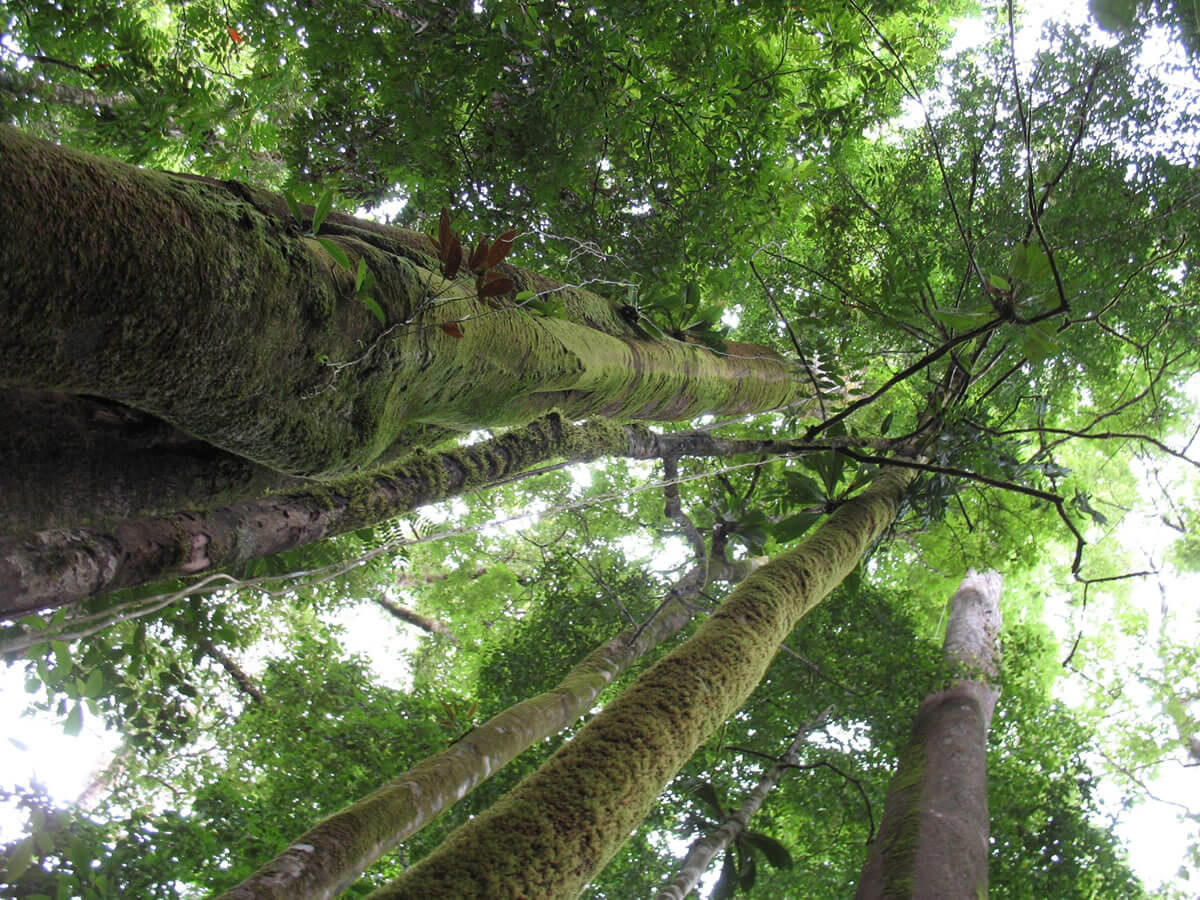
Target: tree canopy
x=666, y=291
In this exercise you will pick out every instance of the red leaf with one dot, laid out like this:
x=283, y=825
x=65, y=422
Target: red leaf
x=452, y=328
x=500, y=249
x=237, y=38
x=444, y=233
x=497, y=287
x=479, y=256
x=453, y=258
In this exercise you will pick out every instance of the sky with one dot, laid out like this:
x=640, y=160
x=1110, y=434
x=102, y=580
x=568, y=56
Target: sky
x=36, y=748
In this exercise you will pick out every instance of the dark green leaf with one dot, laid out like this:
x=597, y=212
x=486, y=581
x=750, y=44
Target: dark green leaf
x=294, y=207
x=322, y=209
x=793, y=527
x=376, y=310
x=727, y=883
x=706, y=792
x=777, y=854
x=803, y=489
x=962, y=319
x=1038, y=342
x=338, y=254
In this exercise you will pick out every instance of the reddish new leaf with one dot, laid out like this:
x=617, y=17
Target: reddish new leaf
x=452, y=328
x=478, y=260
x=500, y=249
x=237, y=38
x=497, y=287
x=453, y=258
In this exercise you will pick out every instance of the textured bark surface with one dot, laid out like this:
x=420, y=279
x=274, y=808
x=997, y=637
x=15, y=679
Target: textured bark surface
x=205, y=305
x=933, y=839
x=549, y=836
x=330, y=856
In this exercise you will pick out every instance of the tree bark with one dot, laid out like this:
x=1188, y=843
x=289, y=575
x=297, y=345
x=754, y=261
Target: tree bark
x=203, y=303
x=933, y=839
x=559, y=827
x=329, y=857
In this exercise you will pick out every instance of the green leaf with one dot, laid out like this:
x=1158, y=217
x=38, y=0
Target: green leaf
x=964, y=319
x=95, y=683
x=749, y=873
x=706, y=792
x=1038, y=342
x=1114, y=16
x=885, y=424
x=777, y=854
x=74, y=723
x=794, y=526
x=361, y=275
x=802, y=488
x=19, y=860
x=293, y=207
x=322, y=209
x=338, y=254
x=727, y=883
x=999, y=283
x=62, y=657
x=376, y=310
x=525, y=296
x=828, y=466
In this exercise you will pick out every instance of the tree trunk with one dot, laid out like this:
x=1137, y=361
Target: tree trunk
x=329, y=857
x=204, y=304
x=933, y=840
x=559, y=827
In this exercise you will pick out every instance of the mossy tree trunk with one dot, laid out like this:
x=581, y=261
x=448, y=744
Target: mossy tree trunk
x=551, y=834
x=933, y=840
x=204, y=304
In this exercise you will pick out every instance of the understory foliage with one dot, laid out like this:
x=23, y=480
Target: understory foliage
x=993, y=285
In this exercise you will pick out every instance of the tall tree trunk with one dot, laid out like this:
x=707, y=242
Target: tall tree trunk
x=933, y=840
x=330, y=856
x=552, y=833
x=204, y=304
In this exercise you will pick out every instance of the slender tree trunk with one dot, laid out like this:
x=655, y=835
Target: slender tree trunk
x=933, y=840
x=329, y=857
x=705, y=850
x=205, y=304
x=412, y=617
x=551, y=834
